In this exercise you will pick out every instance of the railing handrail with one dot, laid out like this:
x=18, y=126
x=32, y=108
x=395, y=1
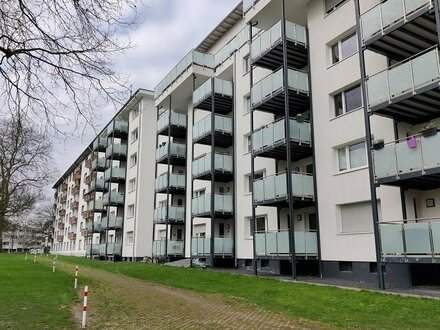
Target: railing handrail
x=208, y=117
x=282, y=173
x=404, y=139
x=286, y=230
x=278, y=120
x=399, y=222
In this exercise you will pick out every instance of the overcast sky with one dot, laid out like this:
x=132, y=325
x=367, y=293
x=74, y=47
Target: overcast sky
x=169, y=29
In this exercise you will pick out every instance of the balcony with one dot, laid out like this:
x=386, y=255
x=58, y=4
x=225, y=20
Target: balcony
x=73, y=221
x=114, y=249
x=87, y=215
x=71, y=236
x=60, y=238
x=399, y=28
x=112, y=222
x=118, y=129
x=248, y=5
x=115, y=174
x=89, y=195
x=270, y=141
x=272, y=190
x=96, y=205
x=275, y=244
x=176, y=155
x=176, y=185
x=97, y=185
x=412, y=162
x=92, y=249
x=100, y=144
x=268, y=93
x=233, y=45
x=175, y=125
x=193, y=58
x=202, y=168
x=85, y=232
x=176, y=214
x=174, y=248
x=223, y=246
x=63, y=199
x=267, y=49
x=89, y=178
x=113, y=199
x=61, y=225
x=77, y=175
x=98, y=165
x=202, y=131
x=62, y=212
x=414, y=241
x=76, y=189
x=116, y=151
x=223, y=206
x=64, y=187
x=74, y=205
x=407, y=91
x=214, y=90
x=96, y=226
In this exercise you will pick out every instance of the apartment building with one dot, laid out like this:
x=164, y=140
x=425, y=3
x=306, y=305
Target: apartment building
x=104, y=201
x=300, y=138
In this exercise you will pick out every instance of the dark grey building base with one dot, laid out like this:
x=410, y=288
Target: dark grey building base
x=279, y=267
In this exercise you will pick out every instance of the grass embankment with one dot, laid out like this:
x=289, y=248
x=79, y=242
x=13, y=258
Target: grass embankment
x=32, y=296
x=327, y=305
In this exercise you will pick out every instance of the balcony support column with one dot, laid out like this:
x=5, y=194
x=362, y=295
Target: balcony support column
x=192, y=180
x=155, y=177
x=287, y=132
x=212, y=197
x=373, y=192
x=168, y=184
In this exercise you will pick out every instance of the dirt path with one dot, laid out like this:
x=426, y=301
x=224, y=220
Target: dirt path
x=121, y=302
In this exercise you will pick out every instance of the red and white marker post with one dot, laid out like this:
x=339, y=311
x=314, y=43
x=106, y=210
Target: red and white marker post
x=84, y=315
x=76, y=278
x=53, y=265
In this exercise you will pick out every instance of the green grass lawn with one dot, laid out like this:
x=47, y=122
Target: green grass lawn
x=32, y=297
x=327, y=305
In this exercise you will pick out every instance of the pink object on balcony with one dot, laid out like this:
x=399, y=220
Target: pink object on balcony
x=412, y=142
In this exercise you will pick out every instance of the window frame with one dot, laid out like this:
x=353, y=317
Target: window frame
x=338, y=44
x=133, y=159
x=342, y=94
x=135, y=133
x=346, y=149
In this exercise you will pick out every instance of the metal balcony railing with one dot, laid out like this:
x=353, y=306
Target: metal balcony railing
x=272, y=85
x=117, y=150
x=192, y=58
x=403, y=79
x=222, y=163
x=177, y=181
x=112, y=222
x=222, y=87
x=97, y=184
x=202, y=246
x=274, y=133
x=98, y=164
x=276, y=243
x=274, y=187
x=411, y=238
x=202, y=128
x=113, y=248
x=100, y=143
x=114, y=173
x=175, y=213
x=202, y=204
x=113, y=198
x=177, y=150
x=388, y=13
x=414, y=154
x=177, y=119
x=248, y=5
x=118, y=128
x=173, y=248
x=273, y=37
x=92, y=249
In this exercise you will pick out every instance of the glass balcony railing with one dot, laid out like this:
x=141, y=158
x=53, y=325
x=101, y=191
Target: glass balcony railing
x=99, y=143
x=413, y=154
x=98, y=164
x=222, y=163
x=176, y=213
x=97, y=226
x=177, y=150
x=93, y=249
x=112, y=222
x=177, y=181
x=192, y=58
x=273, y=37
x=113, y=248
x=202, y=246
x=177, y=119
x=248, y=4
x=274, y=243
x=202, y=204
x=232, y=46
x=115, y=173
x=275, y=186
x=118, y=127
x=97, y=184
x=404, y=78
x=274, y=133
x=418, y=238
x=202, y=128
x=173, y=248
x=117, y=150
x=271, y=85
x=222, y=87
x=95, y=205
x=113, y=198
x=388, y=13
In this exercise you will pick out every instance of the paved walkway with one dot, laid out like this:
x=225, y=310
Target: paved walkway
x=121, y=302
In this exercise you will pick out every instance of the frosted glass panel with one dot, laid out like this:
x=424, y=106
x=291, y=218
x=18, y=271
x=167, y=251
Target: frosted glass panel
x=385, y=161
x=435, y=229
x=377, y=88
x=400, y=80
x=392, y=10
x=391, y=236
x=430, y=151
x=409, y=159
x=417, y=238
x=425, y=68
x=371, y=23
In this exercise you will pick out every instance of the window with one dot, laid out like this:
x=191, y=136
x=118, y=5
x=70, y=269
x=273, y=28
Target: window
x=247, y=104
x=199, y=193
x=130, y=211
x=348, y=100
x=133, y=159
x=134, y=113
x=345, y=266
x=331, y=5
x=134, y=135
x=344, y=48
x=132, y=185
x=129, y=237
x=356, y=217
x=250, y=184
x=261, y=225
x=247, y=146
x=352, y=156
x=246, y=64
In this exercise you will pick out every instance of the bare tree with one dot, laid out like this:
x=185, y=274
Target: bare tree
x=25, y=158
x=57, y=56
